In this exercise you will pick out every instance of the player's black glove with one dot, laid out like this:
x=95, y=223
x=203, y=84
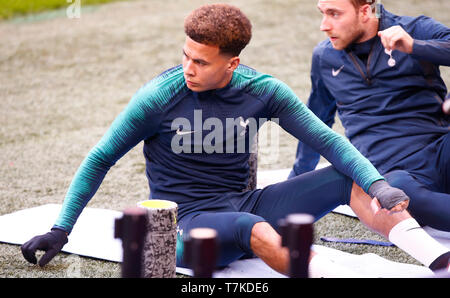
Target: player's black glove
x=51, y=243
x=388, y=196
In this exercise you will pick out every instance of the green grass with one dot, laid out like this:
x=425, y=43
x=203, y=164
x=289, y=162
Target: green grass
x=14, y=8
x=63, y=81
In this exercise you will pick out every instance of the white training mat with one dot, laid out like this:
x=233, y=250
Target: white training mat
x=267, y=177
x=360, y=266
x=93, y=236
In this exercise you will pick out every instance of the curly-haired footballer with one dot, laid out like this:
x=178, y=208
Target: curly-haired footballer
x=197, y=121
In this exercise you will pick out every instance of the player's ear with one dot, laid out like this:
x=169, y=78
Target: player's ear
x=365, y=12
x=233, y=63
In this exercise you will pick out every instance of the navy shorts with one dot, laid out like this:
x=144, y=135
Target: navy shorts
x=316, y=193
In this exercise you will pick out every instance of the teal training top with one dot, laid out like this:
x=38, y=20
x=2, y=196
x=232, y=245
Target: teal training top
x=197, y=144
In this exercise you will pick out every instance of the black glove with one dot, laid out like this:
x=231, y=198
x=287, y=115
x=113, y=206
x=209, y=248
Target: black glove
x=387, y=195
x=52, y=243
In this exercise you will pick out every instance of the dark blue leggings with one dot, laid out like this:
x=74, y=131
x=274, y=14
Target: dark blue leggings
x=315, y=193
x=428, y=207
x=429, y=202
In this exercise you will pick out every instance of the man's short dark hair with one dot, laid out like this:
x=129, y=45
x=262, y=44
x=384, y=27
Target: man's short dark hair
x=358, y=3
x=221, y=25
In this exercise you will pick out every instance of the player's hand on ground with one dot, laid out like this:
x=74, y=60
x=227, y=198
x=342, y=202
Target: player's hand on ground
x=390, y=198
x=396, y=38
x=51, y=243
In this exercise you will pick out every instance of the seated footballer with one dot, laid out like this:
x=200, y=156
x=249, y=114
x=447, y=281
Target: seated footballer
x=198, y=158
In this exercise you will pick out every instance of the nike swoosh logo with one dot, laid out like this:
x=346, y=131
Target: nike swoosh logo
x=181, y=133
x=336, y=72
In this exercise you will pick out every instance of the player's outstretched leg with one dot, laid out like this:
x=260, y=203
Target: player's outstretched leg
x=401, y=229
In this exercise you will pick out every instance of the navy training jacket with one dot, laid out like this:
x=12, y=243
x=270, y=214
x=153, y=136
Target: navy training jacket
x=390, y=113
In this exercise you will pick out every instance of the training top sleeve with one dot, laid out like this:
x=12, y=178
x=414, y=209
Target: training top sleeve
x=431, y=40
x=138, y=121
x=299, y=121
x=323, y=105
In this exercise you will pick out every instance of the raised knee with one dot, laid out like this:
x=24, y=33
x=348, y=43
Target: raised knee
x=244, y=227
x=259, y=229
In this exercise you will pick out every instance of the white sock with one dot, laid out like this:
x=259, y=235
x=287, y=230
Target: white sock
x=409, y=236
x=321, y=266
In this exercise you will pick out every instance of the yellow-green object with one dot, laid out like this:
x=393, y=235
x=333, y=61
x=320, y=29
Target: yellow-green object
x=157, y=204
